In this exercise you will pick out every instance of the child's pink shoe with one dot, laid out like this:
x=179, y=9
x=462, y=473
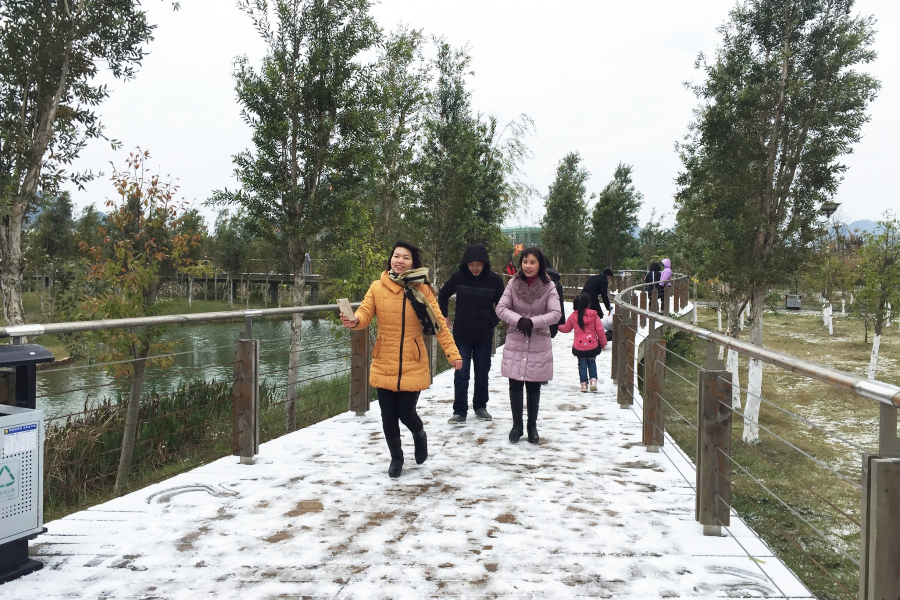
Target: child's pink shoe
x=593, y=385
x=584, y=386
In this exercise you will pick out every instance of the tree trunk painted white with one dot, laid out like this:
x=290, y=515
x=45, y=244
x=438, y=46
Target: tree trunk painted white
x=720, y=318
x=843, y=308
x=887, y=316
x=230, y=291
x=755, y=371
x=190, y=290
x=873, y=360
x=830, y=320
x=742, y=318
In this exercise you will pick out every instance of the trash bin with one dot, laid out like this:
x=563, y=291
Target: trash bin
x=792, y=301
x=21, y=458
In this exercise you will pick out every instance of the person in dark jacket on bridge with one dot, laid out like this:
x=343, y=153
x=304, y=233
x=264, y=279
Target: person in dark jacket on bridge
x=652, y=279
x=597, y=288
x=478, y=290
x=555, y=278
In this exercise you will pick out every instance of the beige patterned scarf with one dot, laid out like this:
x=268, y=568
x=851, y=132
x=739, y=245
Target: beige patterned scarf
x=405, y=280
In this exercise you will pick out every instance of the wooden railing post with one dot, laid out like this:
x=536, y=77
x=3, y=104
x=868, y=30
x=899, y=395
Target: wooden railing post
x=245, y=391
x=879, y=563
x=654, y=300
x=713, y=506
x=359, y=372
x=654, y=432
x=625, y=370
x=667, y=298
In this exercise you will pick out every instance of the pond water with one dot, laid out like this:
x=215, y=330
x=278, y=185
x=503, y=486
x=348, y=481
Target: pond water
x=203, y=352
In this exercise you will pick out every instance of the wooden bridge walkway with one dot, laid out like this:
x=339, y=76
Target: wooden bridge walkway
x=587, y=513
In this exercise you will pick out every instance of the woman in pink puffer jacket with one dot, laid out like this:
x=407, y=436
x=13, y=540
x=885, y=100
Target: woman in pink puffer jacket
x=590, y=339
x=530, y=305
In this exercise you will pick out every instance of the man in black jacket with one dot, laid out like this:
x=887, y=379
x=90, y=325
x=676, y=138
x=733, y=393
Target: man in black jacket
x=478, y=290
x=555, y=277
x=598, y=285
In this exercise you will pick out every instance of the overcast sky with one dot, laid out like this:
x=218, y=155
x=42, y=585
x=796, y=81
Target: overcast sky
x=600, y=77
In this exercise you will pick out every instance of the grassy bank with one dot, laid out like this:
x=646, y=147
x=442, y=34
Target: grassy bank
x=177, y=432
x=811, y=495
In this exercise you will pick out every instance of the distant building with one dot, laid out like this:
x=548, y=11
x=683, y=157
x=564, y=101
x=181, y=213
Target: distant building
x=523, y=237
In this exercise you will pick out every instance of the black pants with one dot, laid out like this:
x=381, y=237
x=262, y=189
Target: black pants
x=396, y=408
x=517, y=386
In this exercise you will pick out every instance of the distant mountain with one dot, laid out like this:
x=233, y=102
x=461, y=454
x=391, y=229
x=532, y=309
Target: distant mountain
x=866, y=225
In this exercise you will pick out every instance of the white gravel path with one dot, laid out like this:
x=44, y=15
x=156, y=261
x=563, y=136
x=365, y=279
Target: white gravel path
x=587, y=513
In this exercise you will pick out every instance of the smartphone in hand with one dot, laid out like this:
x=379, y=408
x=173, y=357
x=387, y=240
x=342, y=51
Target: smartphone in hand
x=346, y=310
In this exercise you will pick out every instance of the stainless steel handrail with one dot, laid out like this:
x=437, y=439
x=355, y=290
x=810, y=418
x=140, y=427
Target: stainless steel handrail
x=210, y=317
x=873, y=389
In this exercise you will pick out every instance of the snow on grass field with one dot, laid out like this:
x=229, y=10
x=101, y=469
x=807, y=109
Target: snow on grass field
x=587, y=513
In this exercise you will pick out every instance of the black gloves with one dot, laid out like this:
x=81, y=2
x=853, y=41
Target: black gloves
x=524, y=325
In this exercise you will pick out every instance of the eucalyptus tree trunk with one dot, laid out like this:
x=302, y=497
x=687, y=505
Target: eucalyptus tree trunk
x=298, y=291
x=230, y=291
x=755, y=371
x=132, y=413
x=12, y=263
x=190, y=290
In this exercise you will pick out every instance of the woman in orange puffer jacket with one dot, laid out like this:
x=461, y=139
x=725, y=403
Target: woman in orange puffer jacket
x=399, y=368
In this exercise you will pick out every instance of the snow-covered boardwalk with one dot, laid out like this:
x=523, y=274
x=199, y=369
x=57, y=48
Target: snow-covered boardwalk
x=587, y=513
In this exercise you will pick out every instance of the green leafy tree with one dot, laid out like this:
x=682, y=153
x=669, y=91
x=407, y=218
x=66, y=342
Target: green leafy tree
x=468, y=171
x=448, y=170
x=614, y=219
x=880, y=270
x=306, y=106
x=50, y=53
x=193, y=262
x=138, y=242
x=233, y=248
x=652, y=241
x=563, y=236
x=779, y=106
x=51, y=249
x=400, y=98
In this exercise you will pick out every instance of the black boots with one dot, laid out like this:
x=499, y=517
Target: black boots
x=396, y=457
x=421, y=441
x=515, y=403
x=534, y=402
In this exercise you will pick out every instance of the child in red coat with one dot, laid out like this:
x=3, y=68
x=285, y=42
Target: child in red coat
x=590, y=339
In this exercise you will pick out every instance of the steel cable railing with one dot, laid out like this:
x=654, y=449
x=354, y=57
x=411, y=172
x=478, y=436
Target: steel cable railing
x=830, y=434
x=196, y=422
x=692, y=486
x=790, y=538
x=827, y=512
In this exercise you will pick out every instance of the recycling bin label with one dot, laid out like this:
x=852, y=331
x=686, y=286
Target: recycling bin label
x=20, y=438
x=10, y=470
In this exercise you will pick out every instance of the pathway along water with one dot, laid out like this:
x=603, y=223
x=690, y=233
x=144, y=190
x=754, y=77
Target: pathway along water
x=65, y=390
